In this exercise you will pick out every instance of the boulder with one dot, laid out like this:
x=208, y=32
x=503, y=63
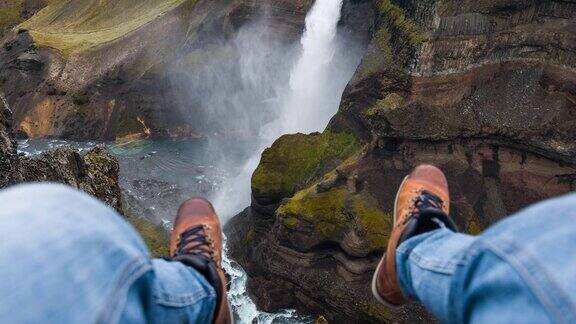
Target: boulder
x=94, y=172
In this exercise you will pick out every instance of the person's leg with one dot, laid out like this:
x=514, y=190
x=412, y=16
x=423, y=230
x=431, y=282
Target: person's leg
x=67, y=258
x=519, y=270
x=522, y=269
x=426, y=264
x=459, y=282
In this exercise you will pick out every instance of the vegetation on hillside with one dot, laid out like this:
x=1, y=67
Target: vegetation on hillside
x=155, y=236
x=71, y=26
x=294, y=160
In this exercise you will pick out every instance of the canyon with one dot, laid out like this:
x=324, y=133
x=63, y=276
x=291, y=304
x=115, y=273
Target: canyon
x=485, y=90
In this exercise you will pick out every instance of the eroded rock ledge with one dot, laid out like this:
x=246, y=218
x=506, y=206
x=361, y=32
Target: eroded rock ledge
x=486, y=90
x=95, y=172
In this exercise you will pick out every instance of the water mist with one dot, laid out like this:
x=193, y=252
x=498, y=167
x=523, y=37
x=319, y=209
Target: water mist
x=267, y=90
x=305, y=104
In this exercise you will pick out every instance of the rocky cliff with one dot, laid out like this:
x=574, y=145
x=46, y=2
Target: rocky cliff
x=95, y=172
x=484, y=89
x=90, y=69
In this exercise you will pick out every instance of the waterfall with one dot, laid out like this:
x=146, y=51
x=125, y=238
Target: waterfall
x=311, y=99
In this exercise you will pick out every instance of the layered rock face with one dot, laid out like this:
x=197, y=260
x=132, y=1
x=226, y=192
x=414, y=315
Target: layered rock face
x=102, y=69
x=486, y=90
x=95, y=172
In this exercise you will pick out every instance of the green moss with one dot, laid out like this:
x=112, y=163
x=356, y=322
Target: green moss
x=383, y=39
x=405, y=25
x=333, y=212
x=96, y=162
x=473, y=228
x=382, y=313
x=372, y=63
x=155, y=237
x=390, y=102
x=10, y=13
x=376, y=223
x=325, y=210
x=290, y=222
x=383, y=52
x=293, y=161
x=71, y=26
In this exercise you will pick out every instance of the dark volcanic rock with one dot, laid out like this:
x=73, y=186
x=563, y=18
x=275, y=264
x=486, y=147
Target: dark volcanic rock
x=95, y=172
x=9, y=162
x=485, y=89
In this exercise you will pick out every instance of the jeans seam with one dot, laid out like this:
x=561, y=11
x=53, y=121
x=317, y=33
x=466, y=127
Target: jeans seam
x=452, y=311
x=406, y=289
x=168, y=300
x=445, y=267
x=534, y=284
x=132, y=271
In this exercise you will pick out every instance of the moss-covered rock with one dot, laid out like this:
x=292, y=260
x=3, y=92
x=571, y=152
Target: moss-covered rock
x=326, y=211
x=155, y=236
x=394, y=42
x=337, y=215
x=390, y=102
x=296, y=160
x=375, y=223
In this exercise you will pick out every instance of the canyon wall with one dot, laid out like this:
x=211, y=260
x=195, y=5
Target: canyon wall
x=94, y=172
x=486, y=90
x=103, y=69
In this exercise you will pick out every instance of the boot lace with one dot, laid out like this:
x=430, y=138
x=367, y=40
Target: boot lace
x=196, y=241
x=424, y=200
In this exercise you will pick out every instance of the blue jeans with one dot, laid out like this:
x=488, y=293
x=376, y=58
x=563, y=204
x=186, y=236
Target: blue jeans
x=67, y=258
x=521, y=270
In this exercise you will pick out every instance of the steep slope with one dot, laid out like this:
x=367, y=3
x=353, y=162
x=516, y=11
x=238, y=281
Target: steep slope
x=484, y=89
x=91, y=69
x=77, y=26
x=13, y=12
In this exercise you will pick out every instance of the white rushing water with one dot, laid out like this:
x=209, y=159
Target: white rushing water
x=312, y=99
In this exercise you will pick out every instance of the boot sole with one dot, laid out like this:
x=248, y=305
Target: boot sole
x=374, y=278
x=232, y=321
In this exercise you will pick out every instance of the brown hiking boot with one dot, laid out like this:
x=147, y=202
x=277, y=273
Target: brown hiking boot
x=422, y=204
x=196, y=241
